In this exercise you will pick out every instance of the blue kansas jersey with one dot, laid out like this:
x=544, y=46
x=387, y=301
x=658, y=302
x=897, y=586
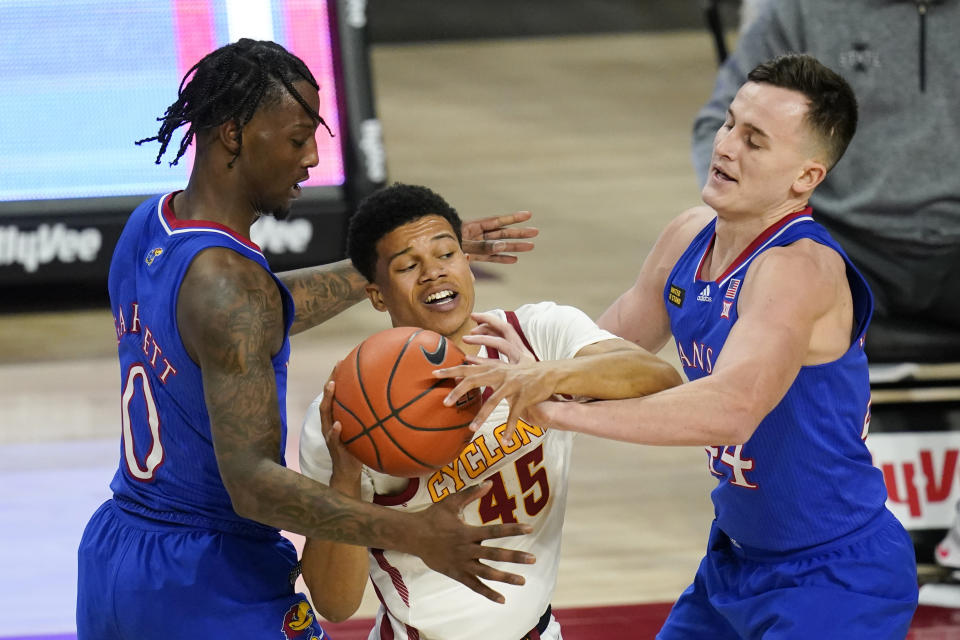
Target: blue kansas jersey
x=168, y=470
x=805, y=476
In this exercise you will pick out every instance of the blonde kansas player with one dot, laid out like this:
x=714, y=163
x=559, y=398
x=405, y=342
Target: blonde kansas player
x=406, y=241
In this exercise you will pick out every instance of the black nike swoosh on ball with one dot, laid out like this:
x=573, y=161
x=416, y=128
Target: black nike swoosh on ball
x=436, y=357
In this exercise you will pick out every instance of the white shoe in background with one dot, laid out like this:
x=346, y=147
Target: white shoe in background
x=947, y=553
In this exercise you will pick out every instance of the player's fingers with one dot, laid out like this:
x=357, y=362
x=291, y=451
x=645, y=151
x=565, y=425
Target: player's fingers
x=494, y=223
x=482, y=318
x=511, y=430
x=498, y=554
x=483, y=413
x=474, y=367
x=500, y=326
x=510, y=218
x=499, y=575
x=504, y=327
x=473, y=583
x=486, y=409
x=491, y=531
x=482, y=330
x=326, y=404
x=486, y=339
x=480, y=376
x=508, y=435
x=514, y=352
x=514, y=235
x=332, y=435
x=460, y=499
x=458, y=371
x=464, y=387
x=507, y=244
x=330, y=378
x=509, y=234
x=520, y=216
x=483, y=249
x=497, y=259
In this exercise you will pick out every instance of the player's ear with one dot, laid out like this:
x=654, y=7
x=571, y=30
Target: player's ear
x=228, y=134
x=811, y=174
x=376, y=296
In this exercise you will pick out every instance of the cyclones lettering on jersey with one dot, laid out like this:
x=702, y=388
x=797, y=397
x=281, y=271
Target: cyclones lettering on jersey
x=479, y=455
x=148, y=344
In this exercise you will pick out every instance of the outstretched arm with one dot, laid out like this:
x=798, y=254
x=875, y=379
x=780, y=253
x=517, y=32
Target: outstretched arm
x=612, y=368
x=323, y=291
x=231, y=322
x=726, y=406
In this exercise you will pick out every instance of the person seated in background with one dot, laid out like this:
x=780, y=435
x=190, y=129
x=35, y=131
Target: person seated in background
x=893, y=202
x=405, y=240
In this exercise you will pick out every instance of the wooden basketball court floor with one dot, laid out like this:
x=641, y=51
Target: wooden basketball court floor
x=592, y=135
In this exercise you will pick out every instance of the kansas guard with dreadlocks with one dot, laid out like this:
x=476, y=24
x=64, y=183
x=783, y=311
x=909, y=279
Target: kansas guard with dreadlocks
x=189, y=545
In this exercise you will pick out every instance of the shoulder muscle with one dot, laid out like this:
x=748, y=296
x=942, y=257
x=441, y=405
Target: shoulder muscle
x=229, y=301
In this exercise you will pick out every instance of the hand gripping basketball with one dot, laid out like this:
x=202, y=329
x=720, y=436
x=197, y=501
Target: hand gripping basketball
x=391, y=407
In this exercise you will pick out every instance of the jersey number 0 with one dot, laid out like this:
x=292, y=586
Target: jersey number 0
x=137, y=379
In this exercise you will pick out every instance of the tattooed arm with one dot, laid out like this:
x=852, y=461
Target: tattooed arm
x=321, y=292
x=231, y=322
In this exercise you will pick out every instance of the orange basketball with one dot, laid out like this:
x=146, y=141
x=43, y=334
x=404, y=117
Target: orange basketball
x=391, y=407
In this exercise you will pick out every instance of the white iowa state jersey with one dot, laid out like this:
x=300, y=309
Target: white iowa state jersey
x=529, y=485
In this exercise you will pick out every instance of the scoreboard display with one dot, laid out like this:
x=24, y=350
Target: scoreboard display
x=84, y=79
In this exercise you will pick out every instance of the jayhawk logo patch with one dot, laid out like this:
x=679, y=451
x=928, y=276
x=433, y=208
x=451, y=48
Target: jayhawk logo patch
x=152, y=255
x=298, y=623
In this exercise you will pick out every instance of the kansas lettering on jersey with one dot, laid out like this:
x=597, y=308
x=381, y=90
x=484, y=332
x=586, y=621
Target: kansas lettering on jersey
x=805, y=476
x=529, y=478
x=167, y=469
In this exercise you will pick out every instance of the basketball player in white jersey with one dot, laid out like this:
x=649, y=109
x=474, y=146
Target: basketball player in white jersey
x=406, y=241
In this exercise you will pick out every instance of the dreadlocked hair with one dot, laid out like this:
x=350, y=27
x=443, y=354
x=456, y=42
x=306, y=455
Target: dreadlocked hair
x=230, y=84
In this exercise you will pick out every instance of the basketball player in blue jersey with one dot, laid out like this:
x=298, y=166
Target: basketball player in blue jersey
x=189, y=546
x=768, y=315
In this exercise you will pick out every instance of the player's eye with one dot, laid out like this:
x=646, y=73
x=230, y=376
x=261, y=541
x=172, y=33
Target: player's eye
x=298, y=143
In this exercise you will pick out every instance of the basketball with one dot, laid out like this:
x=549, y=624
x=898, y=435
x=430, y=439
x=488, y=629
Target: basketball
x=391, y=407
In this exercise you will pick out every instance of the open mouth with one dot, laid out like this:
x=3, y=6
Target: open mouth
x=441, y=297
x=720, y=175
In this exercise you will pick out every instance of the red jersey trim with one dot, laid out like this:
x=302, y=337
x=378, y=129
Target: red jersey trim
x=395, y=577
x=398, y=498
x=175, y=224
x=385, y=622
x=765, y=235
